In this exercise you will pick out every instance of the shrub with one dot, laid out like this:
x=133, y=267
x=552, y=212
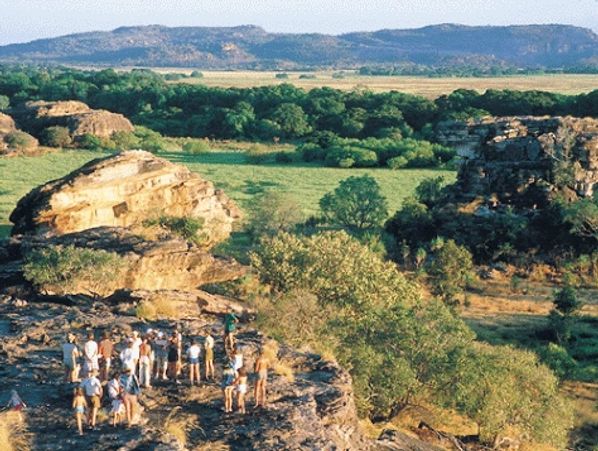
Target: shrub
x=125, y=140
x=357, y=203
x=397, y=163
x=562, y=317
x=56, y=137
x=284, y=157
x=196, y=74
x=150, y=140
x=4, y=103
x=196, y=146
x=429, y=191
x=339, y=156
x=282, y=76
x=558, y=359
x=20, y=141
x=183, y=227
x=257, y=155
x=88, y=141
x=272, y=212
x=311, y=152
x=69, y=268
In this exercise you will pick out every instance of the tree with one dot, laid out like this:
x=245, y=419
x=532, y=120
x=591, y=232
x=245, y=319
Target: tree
x=357, y=204
x=291, y=119
x=562, y=317
x=450, y=270
x=429, y=191
x=56, y=137
x=4, y=103
x=19, y=140
x=272, y=212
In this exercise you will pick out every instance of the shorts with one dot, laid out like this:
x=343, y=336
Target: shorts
x=69, y=364
x=209, y=355
x=194, y=360
x=80, y=409
x=118, y=407
x=262, y=375
x=242, y=388
x=94, y=401
x=105, y=363
x=90, y=365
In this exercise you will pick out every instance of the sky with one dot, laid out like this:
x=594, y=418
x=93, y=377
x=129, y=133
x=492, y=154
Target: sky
x=25, y=20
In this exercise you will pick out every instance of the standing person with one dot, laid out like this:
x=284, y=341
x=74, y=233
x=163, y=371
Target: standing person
x=105, y=351
x=261, y=370
x=145, y=372
x=173, y=362
x=241, y=384
x=193, y=354
x=93, y=392
x=127, y=356
x=70, y=353
x=151, y=336
x=237, y=358
x=136, y=345
x=160, y=345
x=131, y=389
x=177, y=340
x=230, y=325
x=115, y=393
x=79, y=406
x=228, y=386
x=90, y=355
x=209, y=355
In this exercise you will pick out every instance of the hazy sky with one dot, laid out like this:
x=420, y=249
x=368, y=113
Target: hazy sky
x=24, y=20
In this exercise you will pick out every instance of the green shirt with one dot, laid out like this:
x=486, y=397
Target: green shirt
x=229, y=322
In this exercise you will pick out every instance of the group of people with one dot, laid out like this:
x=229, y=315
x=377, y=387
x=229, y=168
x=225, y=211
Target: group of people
x=147, y=358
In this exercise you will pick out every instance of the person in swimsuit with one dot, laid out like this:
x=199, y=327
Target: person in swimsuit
x=241, y=384
x=261, y=371
x=228, y=386
x=145, y=369
x=105, y=351
x=79, y=405
x=173, y=362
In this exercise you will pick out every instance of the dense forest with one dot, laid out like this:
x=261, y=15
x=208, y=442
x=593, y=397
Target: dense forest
x=357, y=128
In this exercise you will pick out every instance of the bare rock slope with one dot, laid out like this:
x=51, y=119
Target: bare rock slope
x=124, y=190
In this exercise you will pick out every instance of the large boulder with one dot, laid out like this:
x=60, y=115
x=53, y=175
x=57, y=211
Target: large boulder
x=518, y=159
x=7, y=124
x=124, y=190
x=79, y=118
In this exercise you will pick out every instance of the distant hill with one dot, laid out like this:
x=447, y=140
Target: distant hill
x=251, y=47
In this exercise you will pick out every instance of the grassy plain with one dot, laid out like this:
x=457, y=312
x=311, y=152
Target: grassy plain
x=227, y=169
x=425, y=86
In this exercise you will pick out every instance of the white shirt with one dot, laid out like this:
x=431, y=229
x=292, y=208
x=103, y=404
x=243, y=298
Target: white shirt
x=193, y=352
x=127, y=357
x=90, y=350
x=92, y=386
x=209, y=343
x=136, y=344
x=113, y=389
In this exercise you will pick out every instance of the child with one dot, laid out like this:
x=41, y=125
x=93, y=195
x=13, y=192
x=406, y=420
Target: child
x=115, y=394
x=228, y=386
x=79, y=405
x=241, y=383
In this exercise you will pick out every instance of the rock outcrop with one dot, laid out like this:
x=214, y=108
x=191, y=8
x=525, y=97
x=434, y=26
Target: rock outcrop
x=79, y=118
x=124, y=190
x=523, y=160
x=7, y=124
x=13, y=141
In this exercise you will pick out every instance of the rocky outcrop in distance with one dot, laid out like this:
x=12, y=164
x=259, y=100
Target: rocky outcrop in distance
x=523, y=160
x=79, y=118
x=14, y=141
x=124, y=190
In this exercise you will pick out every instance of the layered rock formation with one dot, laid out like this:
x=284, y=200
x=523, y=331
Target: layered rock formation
x=121, y=191
x=524, y=160
x=79, y=118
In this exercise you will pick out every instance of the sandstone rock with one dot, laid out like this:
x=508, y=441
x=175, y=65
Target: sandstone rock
x=77, y=116
x=124, y=190
x=172, y=264
x=516, y=158
x=7, y=124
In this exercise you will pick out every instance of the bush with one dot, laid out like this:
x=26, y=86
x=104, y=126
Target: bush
x=429, y=191
x=273, y=212
x=4, y=103
x=340, y=156
x=311, y=152
x=56, y=137
x=284, y=157
x=183, y=227
x=282, y=76
x=125, y=140
x=196, y=146
x=20, y=141
x=67, y=268
x=88, y=141
x=150, y=140
x=357, y=203
x=258, y=155
x=196, y=74
x=558, y=359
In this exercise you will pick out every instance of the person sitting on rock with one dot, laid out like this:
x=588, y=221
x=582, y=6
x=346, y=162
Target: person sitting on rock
x=228, y=386
x=230, y=321
x=209, y=355
x=105, y=351
x=145, y=351
x=131, y=390
x=241, y=384
x=128, y=356
x=70, y=353
x=261, y=370
x=90, y=355
x=115, y=394
x=193, y=354
x=93, y=392
x=173, y=362
x=79, y=406
x=160, y=345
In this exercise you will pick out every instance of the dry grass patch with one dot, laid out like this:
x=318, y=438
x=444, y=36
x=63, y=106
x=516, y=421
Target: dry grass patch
x=158, y=308
x=13, y=432
x=180, y=425
x=279, y=366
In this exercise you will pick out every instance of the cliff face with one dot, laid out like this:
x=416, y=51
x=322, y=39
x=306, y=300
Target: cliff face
x=524, y=160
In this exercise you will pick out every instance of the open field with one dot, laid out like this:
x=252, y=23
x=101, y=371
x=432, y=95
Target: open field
x=425, y=86
x=228, y=170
